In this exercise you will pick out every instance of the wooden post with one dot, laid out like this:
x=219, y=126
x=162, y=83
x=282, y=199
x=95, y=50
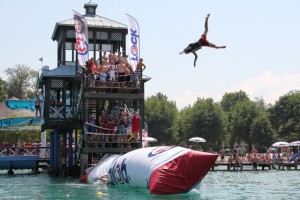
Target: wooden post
x=70, y=150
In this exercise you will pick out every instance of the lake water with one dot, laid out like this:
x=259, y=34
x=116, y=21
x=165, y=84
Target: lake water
x=216, y=185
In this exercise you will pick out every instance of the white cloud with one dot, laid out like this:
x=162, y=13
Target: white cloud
x=188, y=97
x=269, y=86
x=266, y=85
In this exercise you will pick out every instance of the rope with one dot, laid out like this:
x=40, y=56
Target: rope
x=100, y=127
x=106, y=134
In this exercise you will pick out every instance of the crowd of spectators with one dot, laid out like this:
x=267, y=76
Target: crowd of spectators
x=114, y=69
x=237, y=156
x=116, y=125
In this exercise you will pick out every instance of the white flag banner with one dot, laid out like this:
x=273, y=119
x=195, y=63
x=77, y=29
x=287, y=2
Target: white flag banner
x=133, y=41
x=82, y=40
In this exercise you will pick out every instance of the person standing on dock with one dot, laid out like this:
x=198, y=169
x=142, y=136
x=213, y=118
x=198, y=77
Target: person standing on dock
x=234, y=153
x=254, y=150
x=20, y=147
x=241, y=152
x=63, y=161
x=255, y=160
x=222, y=153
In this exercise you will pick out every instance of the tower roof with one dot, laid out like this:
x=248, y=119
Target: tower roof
x=93, y=21
x=90, y=8
x=62, y=71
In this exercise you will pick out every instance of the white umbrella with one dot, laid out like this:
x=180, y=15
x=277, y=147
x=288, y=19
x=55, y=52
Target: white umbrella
x=295, y=144
x=36, y=144
x=197, y=139
x=280, y=144
x=149, y=139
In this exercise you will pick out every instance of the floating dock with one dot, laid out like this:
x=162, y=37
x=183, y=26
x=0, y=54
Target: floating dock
x=250, y=167
x=11, y=163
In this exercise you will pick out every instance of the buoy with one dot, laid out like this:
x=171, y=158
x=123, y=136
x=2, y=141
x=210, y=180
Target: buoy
x=99, y=194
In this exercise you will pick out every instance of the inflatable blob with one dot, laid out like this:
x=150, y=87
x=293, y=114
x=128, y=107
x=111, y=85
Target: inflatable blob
x=162, y=170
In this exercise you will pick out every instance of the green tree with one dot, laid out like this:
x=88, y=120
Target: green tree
x=285, y=116
x=3, y=93
x=261, y=132
x=243, y=114
x=261, y=103
x=228, y=102
x=160, y=115
x=230, y=99
x=29, y=136
x=182, y=126
x=206, y=119
x=21, y=82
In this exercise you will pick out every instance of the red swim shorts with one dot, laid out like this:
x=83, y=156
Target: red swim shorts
x=203, y=41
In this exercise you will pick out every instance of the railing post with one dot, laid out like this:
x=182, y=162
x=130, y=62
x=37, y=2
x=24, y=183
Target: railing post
x=52, y=149
x=70, y=150
x=56, y=153
x=37, y=150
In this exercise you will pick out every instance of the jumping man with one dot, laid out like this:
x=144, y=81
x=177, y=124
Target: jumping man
x=193, y=47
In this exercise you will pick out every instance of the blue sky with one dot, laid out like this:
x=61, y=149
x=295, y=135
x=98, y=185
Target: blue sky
x=262, y=39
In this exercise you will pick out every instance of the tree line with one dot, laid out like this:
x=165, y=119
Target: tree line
x=233, y=120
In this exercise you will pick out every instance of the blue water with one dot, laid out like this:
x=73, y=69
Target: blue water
x=216, y=185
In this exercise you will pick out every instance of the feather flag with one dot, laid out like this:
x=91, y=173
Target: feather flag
x=133, y=41
x=82, y=43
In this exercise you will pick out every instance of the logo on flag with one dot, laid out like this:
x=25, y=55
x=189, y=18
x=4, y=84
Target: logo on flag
x=133, y=41
x=134, y=51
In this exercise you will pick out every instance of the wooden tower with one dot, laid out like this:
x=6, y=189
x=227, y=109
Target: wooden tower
x=73, y=107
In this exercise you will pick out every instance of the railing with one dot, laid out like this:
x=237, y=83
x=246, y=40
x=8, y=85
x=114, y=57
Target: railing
x=42, y=152
x=56, y=111
x=121, y=136
x=132, y=83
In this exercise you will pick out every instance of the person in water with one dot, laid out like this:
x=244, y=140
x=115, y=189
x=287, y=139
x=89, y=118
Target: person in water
x=193, y=47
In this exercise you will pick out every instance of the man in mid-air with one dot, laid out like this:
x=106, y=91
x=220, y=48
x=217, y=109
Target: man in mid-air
x=193, y=47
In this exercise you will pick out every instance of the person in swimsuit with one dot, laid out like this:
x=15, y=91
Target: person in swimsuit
x=193, y=47
x=121, y=72
x=112, y=71
x=37, y=105
x=140, y=67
